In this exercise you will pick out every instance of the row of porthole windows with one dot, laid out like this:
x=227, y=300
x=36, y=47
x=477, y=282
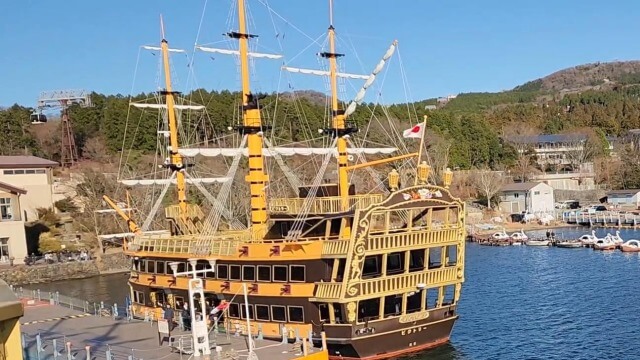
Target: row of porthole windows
x=275, y=313
x=261, y=273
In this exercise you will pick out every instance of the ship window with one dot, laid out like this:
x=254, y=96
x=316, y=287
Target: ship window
x=378, y=222
x=135, y=264
x=160, y=267
x=243, y=312
x=151, y=266
x=296, y=314
x=182, y=267
x=435, y=257
x=449, y=295
x=264, y=273
x=368, y=310
x=392, y=305
x=395, y=263
x=178, y=302
x=341, y=265
x=280, y=273
x=453, y=215
x=138, y=297
x=234, y=272
x=297, y=273
x=262, y=312
x=452, y=255
x=223, y=272
x=432, y=298
x=416, y=260
x=278, y=313
x=371, y=266
x=324, y=312
x=167, y=269
x=337, y=313
x=414, y=302
x=234, y=310
x=249, y=273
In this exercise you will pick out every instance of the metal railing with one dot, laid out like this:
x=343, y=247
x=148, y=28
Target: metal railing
x=322, y=205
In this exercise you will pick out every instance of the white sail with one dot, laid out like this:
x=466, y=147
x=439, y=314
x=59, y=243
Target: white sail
x=135, y=182
x=164, y=106
x=323, y=73
x=236, y=52
x=286, y=151
x=155, y=48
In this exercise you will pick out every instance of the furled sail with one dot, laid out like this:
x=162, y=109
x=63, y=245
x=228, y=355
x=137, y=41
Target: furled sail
x=286, y=151
x=135, y=182
x=236, y=52
x=156, y=48
x=164, y=106
x=323, y=73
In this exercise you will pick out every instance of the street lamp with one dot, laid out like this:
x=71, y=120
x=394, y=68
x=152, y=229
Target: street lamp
x=199, y=331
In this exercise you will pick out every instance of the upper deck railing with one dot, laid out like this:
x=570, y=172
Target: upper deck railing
x=321, y=205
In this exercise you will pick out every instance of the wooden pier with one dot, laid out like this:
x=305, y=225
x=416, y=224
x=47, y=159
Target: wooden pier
x=611, y=219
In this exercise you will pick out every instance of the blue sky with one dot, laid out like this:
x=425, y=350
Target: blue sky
x=446, y=47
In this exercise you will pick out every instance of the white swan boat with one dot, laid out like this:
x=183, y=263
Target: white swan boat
x=606, y=243
x=588, y=239
x=500, y=235
x=632, y=245
x=616, y=238
x=538, y=242
x=517, y=238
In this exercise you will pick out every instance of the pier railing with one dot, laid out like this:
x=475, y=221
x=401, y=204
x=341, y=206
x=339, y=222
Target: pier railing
x=602, y=218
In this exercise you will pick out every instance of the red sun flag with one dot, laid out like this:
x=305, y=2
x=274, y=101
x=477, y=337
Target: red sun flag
x=414, y=132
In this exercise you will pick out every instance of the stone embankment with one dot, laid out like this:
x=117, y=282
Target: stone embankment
x=23, y=274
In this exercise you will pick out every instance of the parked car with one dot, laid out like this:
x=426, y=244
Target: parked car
x=595, y=208
x=567, y=204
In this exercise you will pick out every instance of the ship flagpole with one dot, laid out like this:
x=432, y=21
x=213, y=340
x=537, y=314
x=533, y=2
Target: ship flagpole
x=424, y=131
x=176, y=163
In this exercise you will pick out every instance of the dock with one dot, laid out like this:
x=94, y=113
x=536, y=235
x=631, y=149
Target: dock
x=52, y=331
x=617, y=219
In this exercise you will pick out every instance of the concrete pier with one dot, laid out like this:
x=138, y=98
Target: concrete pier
x=52, y=331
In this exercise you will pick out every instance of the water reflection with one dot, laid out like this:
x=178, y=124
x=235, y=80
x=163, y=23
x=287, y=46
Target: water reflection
x=444, y=352
x=108, y=288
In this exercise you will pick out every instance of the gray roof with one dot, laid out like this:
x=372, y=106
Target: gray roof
x=23, y=161
x=548, y=138
x=623, y=192
x=519, y=186
x=12, y=189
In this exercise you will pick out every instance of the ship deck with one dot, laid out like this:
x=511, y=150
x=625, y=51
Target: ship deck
x=124, y=338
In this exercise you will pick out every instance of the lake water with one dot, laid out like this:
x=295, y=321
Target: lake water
x=517, y=302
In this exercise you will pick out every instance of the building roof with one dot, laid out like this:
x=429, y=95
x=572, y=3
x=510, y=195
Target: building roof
x=623, y=192
x=12, y=189
x=10, y=306
x=25, y=161
x=548, y=138
x=519, y=186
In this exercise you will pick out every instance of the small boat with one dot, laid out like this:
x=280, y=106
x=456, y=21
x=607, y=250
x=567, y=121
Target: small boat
x=616, y=238
x=537, y=242
x=605, y=244
x=588, y=239
x=632, y=245
x=500, y=235
x=519, y=237
x=569, y=244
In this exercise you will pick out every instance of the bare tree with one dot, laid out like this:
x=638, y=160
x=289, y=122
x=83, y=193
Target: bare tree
x=583, y=146
x=488, y=183
x=437, y=155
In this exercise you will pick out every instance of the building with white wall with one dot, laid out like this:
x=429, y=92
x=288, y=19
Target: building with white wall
x=13, y=241
x=34, y=175
x=532, y=197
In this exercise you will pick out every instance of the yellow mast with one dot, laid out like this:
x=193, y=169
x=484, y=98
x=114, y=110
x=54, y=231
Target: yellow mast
x=338, y=126
x=252, y=126
x=176, y=159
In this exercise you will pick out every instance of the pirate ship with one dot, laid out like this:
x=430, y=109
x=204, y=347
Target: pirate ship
x=379, y=272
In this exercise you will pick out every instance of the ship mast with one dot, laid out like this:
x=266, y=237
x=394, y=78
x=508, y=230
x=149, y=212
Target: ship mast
x=339, y=130
x=176, y=163
x=252, y=127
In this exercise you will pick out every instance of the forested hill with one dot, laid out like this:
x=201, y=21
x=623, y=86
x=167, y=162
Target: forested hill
x=603, y=96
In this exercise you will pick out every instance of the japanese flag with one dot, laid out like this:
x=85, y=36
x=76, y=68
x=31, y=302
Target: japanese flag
x=414, y=132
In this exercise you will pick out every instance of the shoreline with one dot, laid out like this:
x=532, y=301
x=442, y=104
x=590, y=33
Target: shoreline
x=524, y=227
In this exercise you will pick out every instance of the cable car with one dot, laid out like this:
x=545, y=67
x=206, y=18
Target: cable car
x=38, y=118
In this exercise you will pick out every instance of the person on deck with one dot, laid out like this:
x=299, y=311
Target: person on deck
x=186, y=317
x=168, y=315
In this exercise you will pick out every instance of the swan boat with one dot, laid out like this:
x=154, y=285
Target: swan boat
x=632, y=245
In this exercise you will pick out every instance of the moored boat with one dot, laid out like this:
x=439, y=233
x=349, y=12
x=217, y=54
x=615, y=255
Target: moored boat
x=325, y=260
x=539, y=242
x=588, y=239
x=604, y=244
x=569, y=244
x=632, y=245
